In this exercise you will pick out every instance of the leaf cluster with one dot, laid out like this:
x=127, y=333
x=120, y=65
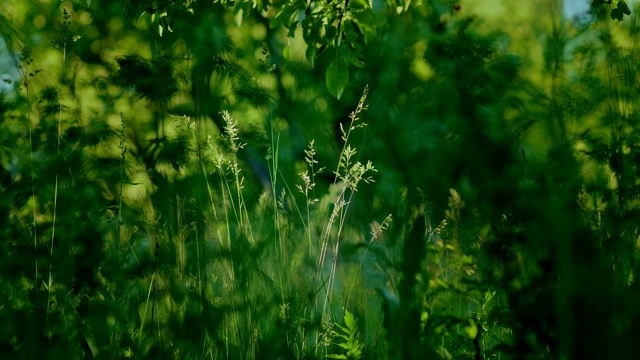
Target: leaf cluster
x=618, y=12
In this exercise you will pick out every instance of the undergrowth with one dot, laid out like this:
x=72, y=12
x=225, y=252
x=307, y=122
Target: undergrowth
x=206, y=198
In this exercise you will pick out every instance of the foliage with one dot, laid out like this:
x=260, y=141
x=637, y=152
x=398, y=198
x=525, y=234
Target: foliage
x=351, y=343
x=618, y=12
x=201, y=179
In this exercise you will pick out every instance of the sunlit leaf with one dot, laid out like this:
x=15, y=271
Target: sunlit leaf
x=359, y=4
x=471, y=330
x=337, y=77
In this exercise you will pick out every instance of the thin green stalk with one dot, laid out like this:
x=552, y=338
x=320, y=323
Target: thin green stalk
x=309, y=186
x=65, y=25
x=123, y=152
x=25, y=75
x=350, y=174
x=342, y=170
x=206, y=178
x=33, y=187
x=198, y=260
x=273, y=173
x=240, y=208
x=223, y=184
x=146, y=307
x=181, y=238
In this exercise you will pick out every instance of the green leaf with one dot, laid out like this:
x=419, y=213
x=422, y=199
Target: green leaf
x=348, y=319
x=424, y=316
x=623, y=7
x=337, y=77
x=471, y=330
x=616, y=14
x=283, y=17
x=311, y=54
x=275, y=21
x=596, y=3
x=350, y=31
x=359, y=4
x=353, y=59
x=442, y=283
x=367, y=25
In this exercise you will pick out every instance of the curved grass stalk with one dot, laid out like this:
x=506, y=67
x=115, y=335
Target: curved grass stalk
x=65, y=24
x=146, y=307
x=25, y=58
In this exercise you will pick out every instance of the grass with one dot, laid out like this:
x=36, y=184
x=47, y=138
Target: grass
x=165, y=238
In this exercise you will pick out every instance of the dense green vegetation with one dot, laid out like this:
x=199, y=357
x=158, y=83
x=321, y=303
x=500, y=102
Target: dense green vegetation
x=345, y=179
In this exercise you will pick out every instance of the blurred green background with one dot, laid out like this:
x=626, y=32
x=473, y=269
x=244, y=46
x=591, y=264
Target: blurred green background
x=191, y=179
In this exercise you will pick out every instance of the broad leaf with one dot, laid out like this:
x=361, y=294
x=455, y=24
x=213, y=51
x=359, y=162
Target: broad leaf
x=337, y=77
x=311, y=54
x=616, y=14
x=624, y=8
